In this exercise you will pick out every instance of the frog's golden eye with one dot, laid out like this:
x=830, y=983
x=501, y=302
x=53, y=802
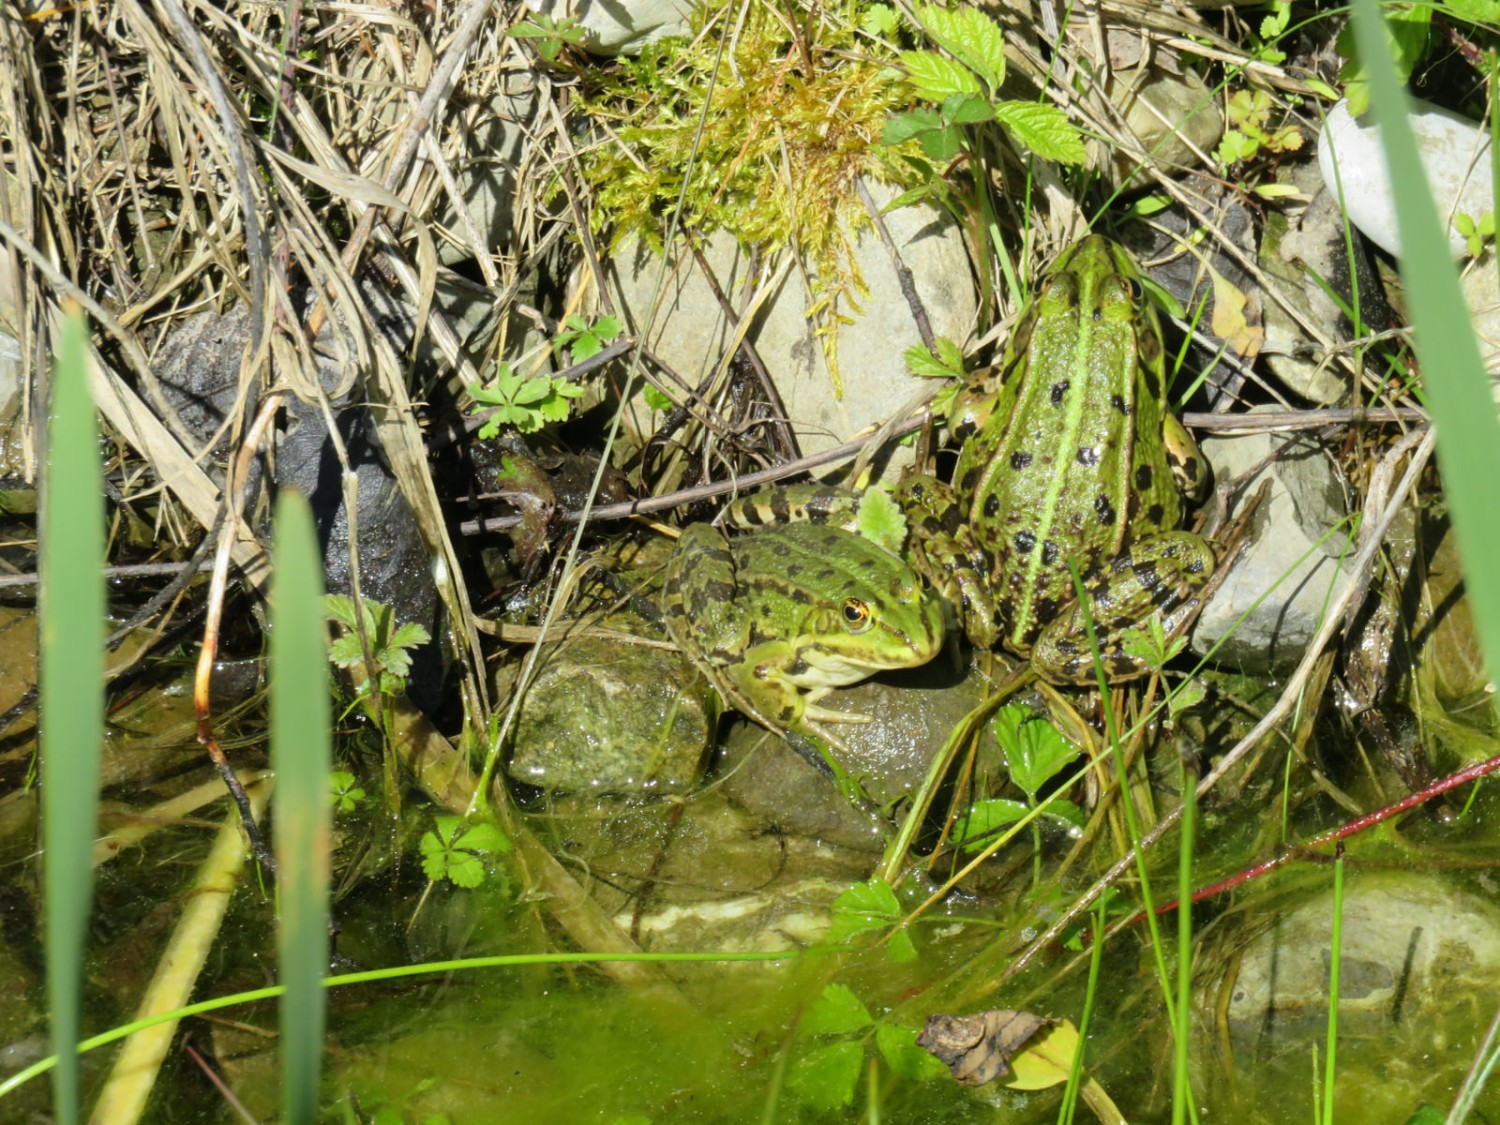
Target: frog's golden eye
x=856, y=615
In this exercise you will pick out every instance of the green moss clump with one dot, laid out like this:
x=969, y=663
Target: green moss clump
x=782, y=144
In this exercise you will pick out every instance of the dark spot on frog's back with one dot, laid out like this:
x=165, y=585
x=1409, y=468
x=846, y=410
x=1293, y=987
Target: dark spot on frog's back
x=1120, y=405
x=1143, y=477
x=1020, y=459
x=793, y=569
x=1104, y=510
x=1025, y=542
x=717, y=591
x=1088, y=455
x=1049, y=552
x=780, y=550
x=1148, y=347
x=1060, y=391
x=971, y=479
x=1156, y=514
x=991, y=506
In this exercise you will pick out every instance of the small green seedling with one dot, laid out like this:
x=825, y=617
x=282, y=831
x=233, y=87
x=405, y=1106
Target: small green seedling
x=452, y=851
x=831, y=1038
x=347, y=796
x=389, y=642
x=528, y=404
x=551, y=35
x=1477, y=235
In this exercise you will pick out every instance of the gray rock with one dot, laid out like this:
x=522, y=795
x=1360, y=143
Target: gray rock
x=608, y=716
x=1291, y=590
x=1412, y=945
x=1294, y=248
x=1176, y=117
x=691, y=333
x=621, y=27
x=198, y=367
x=1455, y=155
x=912, y=714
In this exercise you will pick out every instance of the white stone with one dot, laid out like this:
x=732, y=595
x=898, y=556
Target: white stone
x=691, y=333
x=620, y=27
x=1455, y=155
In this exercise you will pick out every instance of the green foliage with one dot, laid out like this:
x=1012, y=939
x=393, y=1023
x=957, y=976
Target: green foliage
x=779, y=152
x=389, y=642
x=1406, y=27
x=452, y=851
x=586, y=340
x=1273, y=26
x=881, y=520
x=551, y=35
x=827, y=1074
x=947, y=363
x=655, y=399
x=1249, y=116
x=1035, y=752
x=1477, y=234
x=347, y=796
x=528, y=404
x=964, y=83
x=871, y=907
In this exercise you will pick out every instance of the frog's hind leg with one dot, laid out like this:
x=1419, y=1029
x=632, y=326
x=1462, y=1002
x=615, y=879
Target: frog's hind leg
x=1161, y=576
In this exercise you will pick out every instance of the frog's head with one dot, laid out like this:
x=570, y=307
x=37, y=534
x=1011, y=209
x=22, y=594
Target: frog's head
x=874, y=615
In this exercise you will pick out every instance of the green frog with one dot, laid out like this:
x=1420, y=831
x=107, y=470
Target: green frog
x=779, y=616
x=1070, y=455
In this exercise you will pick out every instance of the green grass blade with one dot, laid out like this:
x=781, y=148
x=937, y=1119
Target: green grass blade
x=1457, y=388
x=300, y=735
x=72, y=695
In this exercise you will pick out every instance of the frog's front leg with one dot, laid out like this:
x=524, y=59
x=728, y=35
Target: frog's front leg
x=1158, y=576
x=765, y=691
x=942, y=549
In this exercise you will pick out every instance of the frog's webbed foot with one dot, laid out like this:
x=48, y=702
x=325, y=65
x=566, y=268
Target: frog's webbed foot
x=817, y=747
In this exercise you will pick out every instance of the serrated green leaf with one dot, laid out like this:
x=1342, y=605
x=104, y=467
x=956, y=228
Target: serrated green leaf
x=943, y=144
x=826, y=1077
x=863, y=907
x=836, y=1012
x=920, y=361
x=881, y=520
x=340, y=608
x=655, y=399
x=585, y=346
x=967, y=109
x=878, y=20
x=535, y=389
x=507, y=380
x=409, y=635
x=898, y=1046
x=345, y=651
x=1044, y=129
x=465, y=870
x=935, y=77
x=970, y=36
x=909, y=124
x=484, y=837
